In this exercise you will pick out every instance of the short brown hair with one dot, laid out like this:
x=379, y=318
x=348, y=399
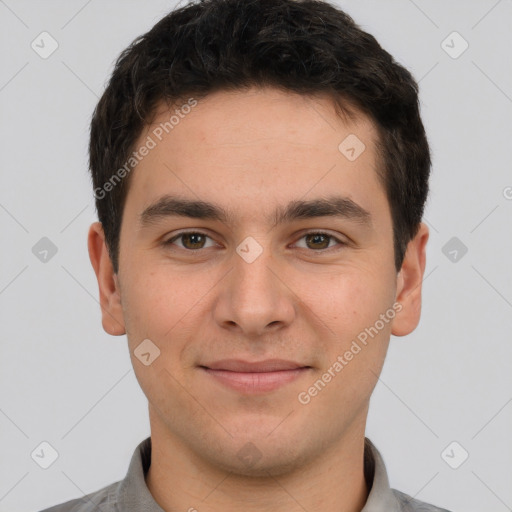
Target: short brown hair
x=303, y=46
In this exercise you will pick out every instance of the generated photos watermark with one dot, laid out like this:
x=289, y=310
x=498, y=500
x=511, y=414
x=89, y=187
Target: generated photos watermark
x=150, y=143
x=305, y=397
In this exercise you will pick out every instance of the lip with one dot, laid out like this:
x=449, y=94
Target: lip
x=255, y=377
x=239, y=365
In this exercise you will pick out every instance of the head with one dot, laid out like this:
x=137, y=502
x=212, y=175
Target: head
x=277, y=114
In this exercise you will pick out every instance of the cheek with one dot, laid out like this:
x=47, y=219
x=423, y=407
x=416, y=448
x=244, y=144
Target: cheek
x=350, y=305
x=354, y=346
x=348, y=300
x=154, y=303
x=157, y=305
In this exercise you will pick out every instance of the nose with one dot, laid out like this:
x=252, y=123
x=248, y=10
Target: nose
x=254, y=298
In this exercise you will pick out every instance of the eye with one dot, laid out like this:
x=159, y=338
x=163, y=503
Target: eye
x=191, y=240
x=319, y=240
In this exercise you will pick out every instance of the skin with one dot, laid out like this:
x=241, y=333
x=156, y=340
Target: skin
x=251, y=152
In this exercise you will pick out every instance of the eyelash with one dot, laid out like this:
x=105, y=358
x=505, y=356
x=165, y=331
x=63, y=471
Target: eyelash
x=327, y=250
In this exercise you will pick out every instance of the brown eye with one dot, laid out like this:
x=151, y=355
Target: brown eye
x=319, y=241
x=191, y=240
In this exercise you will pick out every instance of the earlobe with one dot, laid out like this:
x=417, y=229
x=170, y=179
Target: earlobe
x=109, y=291
x=409, y=284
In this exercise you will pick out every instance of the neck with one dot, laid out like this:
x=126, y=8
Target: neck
x=333, y=482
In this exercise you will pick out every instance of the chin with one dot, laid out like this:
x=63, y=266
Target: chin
x=258, y=457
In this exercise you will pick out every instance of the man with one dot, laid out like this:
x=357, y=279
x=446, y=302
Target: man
x=260, y=171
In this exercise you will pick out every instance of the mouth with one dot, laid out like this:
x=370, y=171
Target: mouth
x=255, y=377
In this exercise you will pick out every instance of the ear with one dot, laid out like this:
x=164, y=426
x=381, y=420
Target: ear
x=409, y=281
x=110, y=297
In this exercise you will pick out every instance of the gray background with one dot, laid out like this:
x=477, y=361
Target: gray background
x=65, y=381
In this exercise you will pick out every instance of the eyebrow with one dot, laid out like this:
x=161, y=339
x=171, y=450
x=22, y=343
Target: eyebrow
x=333, y=206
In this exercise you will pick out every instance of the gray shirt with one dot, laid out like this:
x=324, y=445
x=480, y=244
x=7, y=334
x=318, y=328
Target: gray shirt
x=132, y=494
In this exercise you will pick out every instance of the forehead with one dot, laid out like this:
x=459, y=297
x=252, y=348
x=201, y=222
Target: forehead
x=264, y=112
x=262, y=145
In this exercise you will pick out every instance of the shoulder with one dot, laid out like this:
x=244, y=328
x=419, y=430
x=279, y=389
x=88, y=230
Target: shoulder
x=100, y=500
x=409, y=504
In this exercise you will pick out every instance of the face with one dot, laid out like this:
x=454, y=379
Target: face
x=258, y=276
